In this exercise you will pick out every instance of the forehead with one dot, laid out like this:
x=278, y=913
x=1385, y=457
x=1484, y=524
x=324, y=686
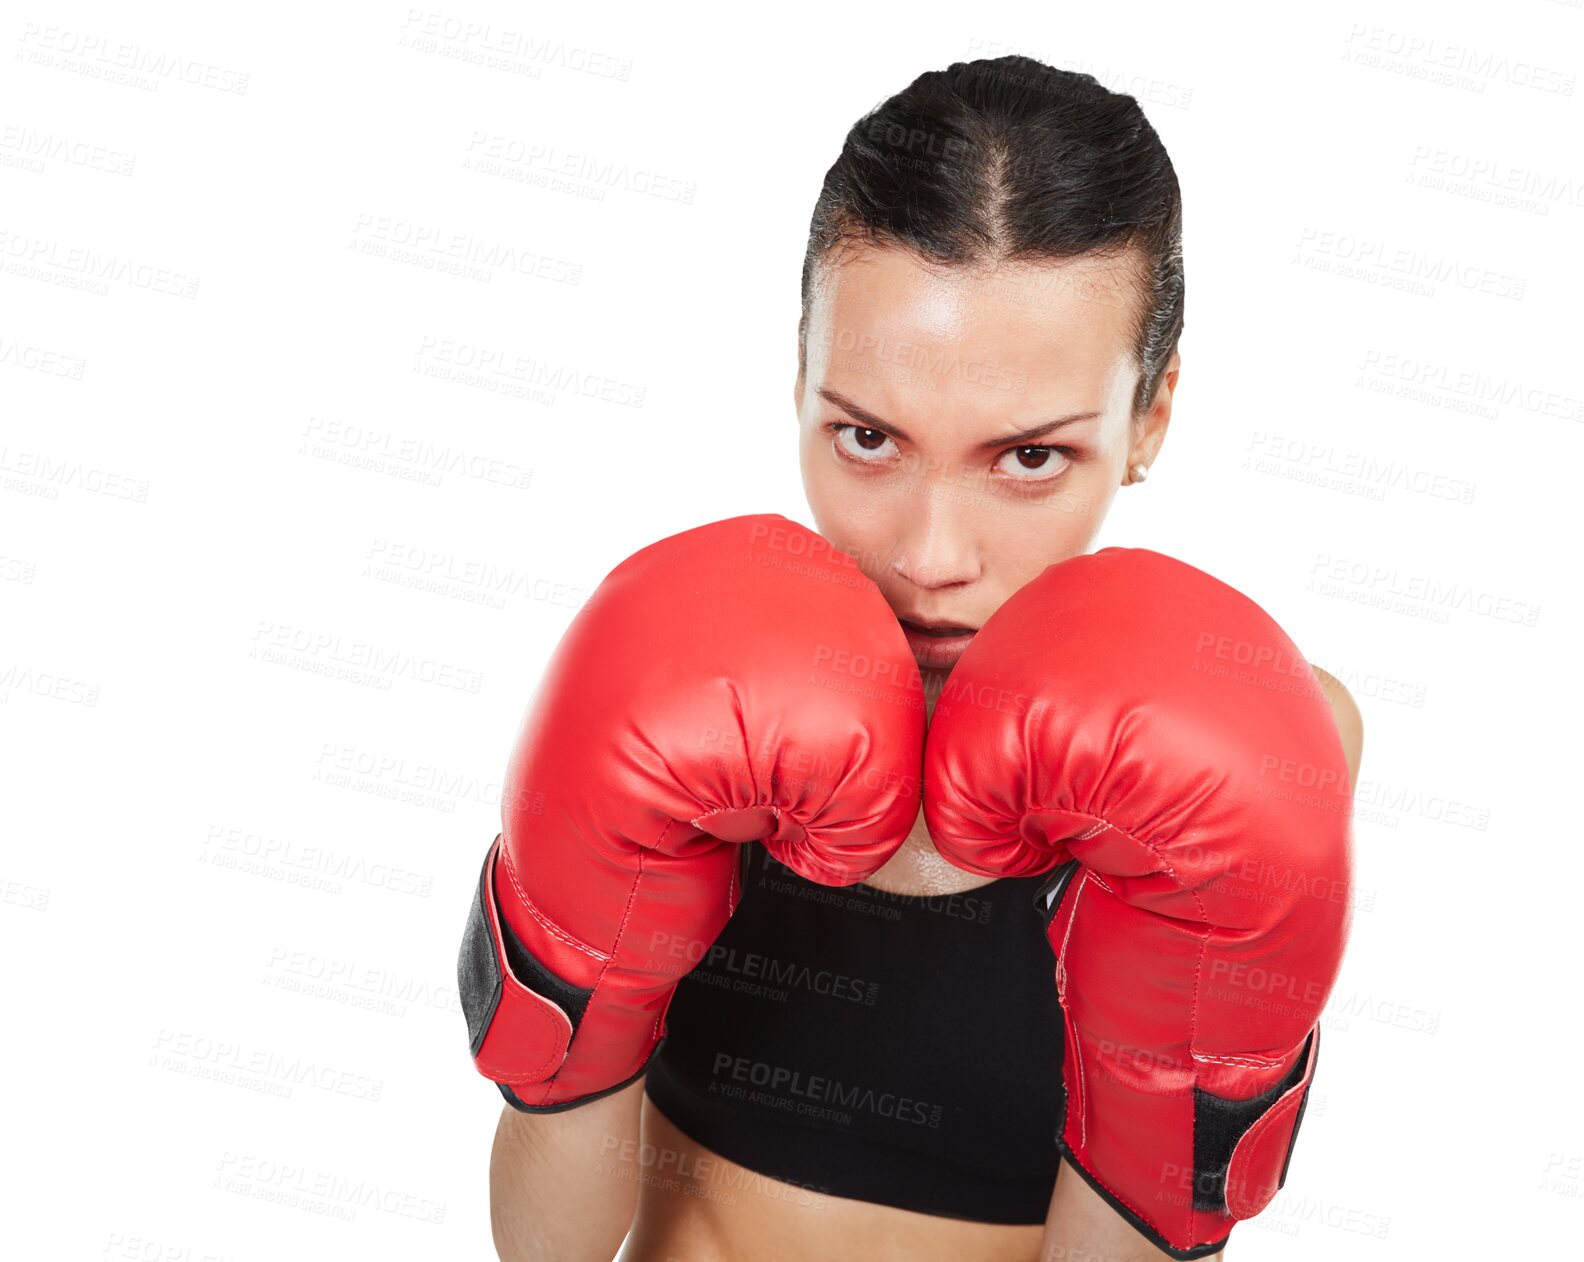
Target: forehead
x=879, y=310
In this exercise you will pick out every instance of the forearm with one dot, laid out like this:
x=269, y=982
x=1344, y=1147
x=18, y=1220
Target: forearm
x=1081, y=1227
x=563, y=1186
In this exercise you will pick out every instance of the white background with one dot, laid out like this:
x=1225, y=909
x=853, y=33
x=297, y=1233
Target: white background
x=233, y=883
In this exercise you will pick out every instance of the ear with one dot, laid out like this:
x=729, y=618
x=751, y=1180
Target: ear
x=1150, y=431
x=797, y=382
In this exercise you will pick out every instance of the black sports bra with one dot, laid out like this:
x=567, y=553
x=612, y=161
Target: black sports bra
x=900, y=1049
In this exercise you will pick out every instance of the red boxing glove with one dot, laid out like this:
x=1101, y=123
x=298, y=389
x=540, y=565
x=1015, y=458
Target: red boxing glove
x=1156, y=736
x=740, y=681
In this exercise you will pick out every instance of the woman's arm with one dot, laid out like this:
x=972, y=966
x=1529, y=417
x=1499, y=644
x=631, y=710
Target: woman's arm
x=1350, y=725
x=563, y=1186
x=1081, y=1227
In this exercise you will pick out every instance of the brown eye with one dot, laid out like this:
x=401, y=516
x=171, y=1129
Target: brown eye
x=1034, y=464
x=857, y=442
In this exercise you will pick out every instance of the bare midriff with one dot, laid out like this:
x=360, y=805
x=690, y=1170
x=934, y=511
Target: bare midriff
x=696, y=1206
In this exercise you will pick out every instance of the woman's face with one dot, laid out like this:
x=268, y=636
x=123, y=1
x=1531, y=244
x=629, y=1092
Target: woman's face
x=962, y=430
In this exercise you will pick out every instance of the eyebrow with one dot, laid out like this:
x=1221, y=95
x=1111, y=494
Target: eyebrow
x=1025, y=436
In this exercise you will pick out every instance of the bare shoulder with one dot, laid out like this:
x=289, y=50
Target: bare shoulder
x=1350, y=723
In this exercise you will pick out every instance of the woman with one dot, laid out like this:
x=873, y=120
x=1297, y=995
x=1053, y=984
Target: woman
x=992, y=300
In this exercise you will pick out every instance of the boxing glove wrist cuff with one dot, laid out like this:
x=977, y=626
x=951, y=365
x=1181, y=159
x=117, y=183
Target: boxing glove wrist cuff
x=520, y=1015
x=1242, y=1149
x=513, y=1099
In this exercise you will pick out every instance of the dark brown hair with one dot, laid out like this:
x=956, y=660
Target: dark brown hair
x=1008, y=159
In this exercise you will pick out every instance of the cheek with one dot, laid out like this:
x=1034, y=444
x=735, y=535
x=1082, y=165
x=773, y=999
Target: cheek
x=1053, y=528
x=1090, y=492
x=864, y=525
x=1083, y=507
x=806, y=461
x=822, y=487
x=821, y=481
x=823, y=484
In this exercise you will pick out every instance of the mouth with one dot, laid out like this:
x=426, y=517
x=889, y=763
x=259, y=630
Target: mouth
x=937, y=645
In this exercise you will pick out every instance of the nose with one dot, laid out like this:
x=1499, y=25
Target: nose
x=939, y=550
